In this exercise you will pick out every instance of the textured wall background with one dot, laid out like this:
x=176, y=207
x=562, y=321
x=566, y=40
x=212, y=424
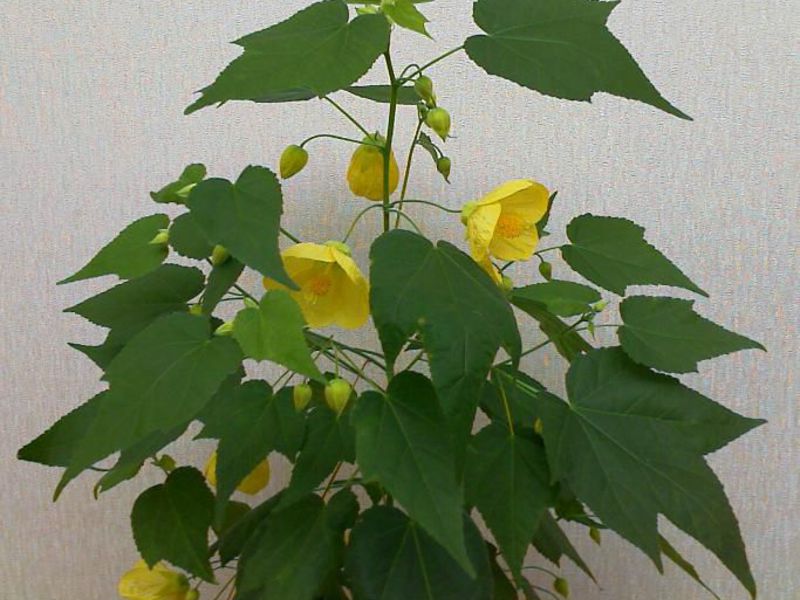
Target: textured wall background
x=91, y=95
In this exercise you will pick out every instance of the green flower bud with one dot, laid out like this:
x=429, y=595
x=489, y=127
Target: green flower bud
x=599, y=306
x=594, y=533
x=367, y=10
x=561, y=585
x=185, y=191
x=196, y=309
x=219, y=255
x=166, y=462
x=443, y=165
x=424, y=88
x=301, y=396
x=250, y=303
x=546, y=270
x=225, y=329
x=192, y=595
x=538, y=426
x=438, y=119
x=507, y=284
x=161, y=239
x=337, y=394
x=293, y=160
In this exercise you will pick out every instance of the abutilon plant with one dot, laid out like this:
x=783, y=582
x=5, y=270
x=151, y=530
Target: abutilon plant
x=397, y=447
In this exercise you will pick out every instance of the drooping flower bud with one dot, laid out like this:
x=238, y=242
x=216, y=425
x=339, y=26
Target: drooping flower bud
x=443, y=165
x=365, y=174
x=192, y=595
x=507, y=284
x=337, y=394
x=594, y=533
x=424, y=88
x=225, y=329
x=438, y=119
x=599, y=306
x=538, y=426
x=546, y=270
x=219, y=255
x=561, y=586
x=158, y=583
x=255, y=481
x=301, y=396
x=293, y=160
x=196, y=310
x=161, y=238
x=166, y=463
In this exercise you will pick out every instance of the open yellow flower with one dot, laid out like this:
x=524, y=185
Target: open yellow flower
x=503, y=223
x=365, y=174
x=332, y=289
x=158, y=583
x=256, y=481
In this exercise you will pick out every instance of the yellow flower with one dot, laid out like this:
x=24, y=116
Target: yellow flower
x=332, y=289
x=256, y=481
x=365, y=174
x=503, y=223
x=158, y=583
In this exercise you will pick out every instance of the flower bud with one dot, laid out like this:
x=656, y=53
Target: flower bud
x=161, y=238
x=301, y=396
x=166, y=463
x=594, y=533
x=196, y=310
x=443, y=165
x=184, y=192
x=225, y=329
x=599, y=306
x=507, y=284
x=337, y=394
x=424, y=88
x=561, y=585
x=293, y=160
x=538, y=426
x=438, y=119
x=219, y=255
x=192, y=595
x=546, y=270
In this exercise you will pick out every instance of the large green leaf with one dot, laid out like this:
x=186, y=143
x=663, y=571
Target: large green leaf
x=391, y=558
x=187, y=239
x=220, y=280
x=290, y=555
x=274, y=331
x=400, y=442
x=102, y=354
x=245, y=218
x=234, y=539
x=561, y=48
x=176, y=191
x=553, y=544
x=462, y=316
x=128, y=255
x=568, y=342
x=162, y=379
x=317, y=49
x=130, y=306
x=612, y=253
x=684, y=565
x=508, y=481
x=562, y=298
x=666, y=334
x=630, y=444
x=514, y=389
x=171, y=522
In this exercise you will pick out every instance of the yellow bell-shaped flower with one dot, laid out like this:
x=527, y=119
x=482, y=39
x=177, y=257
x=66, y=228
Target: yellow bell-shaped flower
x=158, y=583
x=365, y=174
x=503, y=223
x=332, y=289
x=256, y=481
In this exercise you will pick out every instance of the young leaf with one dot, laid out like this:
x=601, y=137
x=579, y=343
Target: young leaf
x=666, y=334
x=383, y=94
x=391, y=558
x=176, y=191
x=562, y=298
x=244, y=218
x=508, y=481
x=128, y=255
x=553, y=543
x=612, y=253
x=171, y=522
x=274, y=331
x=316, y=50
x=405, y=14
x=220, y=280
x=187, y=239
x=630, y=444
x=399, y=442
x=560, y=48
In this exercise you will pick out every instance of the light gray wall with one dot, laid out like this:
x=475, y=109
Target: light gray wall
x=91, y=96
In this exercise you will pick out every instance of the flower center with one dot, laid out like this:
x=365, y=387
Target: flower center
x=318, y=287
x=510, y=226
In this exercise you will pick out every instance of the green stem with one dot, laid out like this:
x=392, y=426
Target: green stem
x=337, y=137
x=294, y=238
x=407, y=173
x=400, y=213
x=416, y=359
x=506, y=407
x=346, y=114
x=453, y=211
x=538, y=252
x=387, y=149
x=429, y=64
x=357, y=219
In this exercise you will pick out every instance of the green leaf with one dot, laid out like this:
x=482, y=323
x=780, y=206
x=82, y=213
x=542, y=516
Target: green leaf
x=220, y=280
x=399, y=442
x=342, y=510
x=130, y=306
x=519, y=391
x=541, y=225
x=562, y=298
x=171, y=522
x=128, y=255
x=274, y=331
x=630, y=444
x=612, y=253
x=406, y=15
x=684, y=565
x=176, y=191
x=503, y=589
x=391, y=558
x=508, y=481
x=162, y=379
x=560, y=48
x=187, y=239
x=382, y=93
x=100, y=355
x=316, y=50
x=462, y=317
x=425, y=141
x=244, y=218
x=666, y=334
x=553, y=543
x=567, y=341
x=290, y=555
x=233, y=541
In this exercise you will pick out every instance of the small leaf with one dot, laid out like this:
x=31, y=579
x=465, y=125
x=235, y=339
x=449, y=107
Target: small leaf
x=383, y=93
x=666, y=334
x=391, y=558
x=560, y=48
x=406, y=15
x=244, y=218
x=171, y=522
x=399, y=442
x=562, y=298
x=612, y=253
x=220, y=280
x=187, y=239
x=128, y=255
x=316, y=50
x=425, y=141
x=191, y=175
x=274, y=331
x=553, y=543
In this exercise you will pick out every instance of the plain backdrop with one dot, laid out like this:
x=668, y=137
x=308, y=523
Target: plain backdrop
x=91, y=101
